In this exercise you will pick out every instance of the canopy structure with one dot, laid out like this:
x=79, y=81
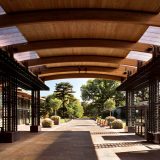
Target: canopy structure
x=57, y=39
x=80, y=38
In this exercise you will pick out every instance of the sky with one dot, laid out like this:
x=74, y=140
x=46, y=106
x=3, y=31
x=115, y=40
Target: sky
x=75, y=82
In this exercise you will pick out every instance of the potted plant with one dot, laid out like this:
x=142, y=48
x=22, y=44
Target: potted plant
x=47, y=123
x=56, y=120
x=117, y=124
x=110, y=119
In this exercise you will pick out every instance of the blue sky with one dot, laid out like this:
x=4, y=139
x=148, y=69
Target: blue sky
x=77, y=83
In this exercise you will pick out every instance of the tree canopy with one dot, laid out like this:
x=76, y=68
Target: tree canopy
x=64, y=91
x=109, y=105
x=55, y=104
x=62, y=102
x=45, y=106
x=96, y=92
x=75, y=109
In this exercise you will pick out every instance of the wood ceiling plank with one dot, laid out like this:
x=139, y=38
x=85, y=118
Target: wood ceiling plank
x=28, y=5
x=89, y=72
x=82, y=75
x=129, y=62
x=82, y=30
x=127, y=17
x=66, y=45
x=98, y=64
x=63, y=59
x=81, y=69
x=83, y=51
x=125, y=62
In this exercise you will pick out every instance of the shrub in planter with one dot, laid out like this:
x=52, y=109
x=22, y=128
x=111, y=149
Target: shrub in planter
x=103, y=123
x=110, y=119
x=56, y=119
x=106, y=122
x=98, y=121
x=117, y=124
x=47, y=123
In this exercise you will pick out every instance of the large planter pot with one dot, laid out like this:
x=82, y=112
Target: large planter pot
x=47, y=123
x=56, y=122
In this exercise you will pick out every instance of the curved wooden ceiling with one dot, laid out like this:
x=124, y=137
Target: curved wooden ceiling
x=81, y=38
x=27, y=5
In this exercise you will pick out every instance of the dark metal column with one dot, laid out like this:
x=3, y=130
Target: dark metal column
x=13, y=75
x=35, y=106
x=130, y=111
x=9, y=103
x=153, y=114
x=9, y=108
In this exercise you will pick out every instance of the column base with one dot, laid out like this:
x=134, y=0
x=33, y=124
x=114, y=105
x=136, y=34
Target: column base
x=153, y=137
x=9, y=137
x=35, y=128
x=131, y=129
x=150, y=137
x=156, y=138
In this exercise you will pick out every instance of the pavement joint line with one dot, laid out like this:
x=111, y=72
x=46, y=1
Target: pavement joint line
x=104, y=133
x=114, y=145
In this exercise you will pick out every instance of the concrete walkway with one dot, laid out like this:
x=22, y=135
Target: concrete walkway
x=79, y=140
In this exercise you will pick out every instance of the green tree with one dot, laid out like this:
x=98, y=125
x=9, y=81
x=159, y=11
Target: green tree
x=43, y=112
x=55, y=104
x=75, y=109
x=90, y=109
x=97, y=91
x=109, y=105
x=45, y=106
x=64, y=91
x=78, y=109
x=70, y=110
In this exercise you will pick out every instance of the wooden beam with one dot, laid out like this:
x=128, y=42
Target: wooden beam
x=38, y=70
x=79, y=14
x=81, y=75
x=129, y=62
x=81, y=69
x=70, y=59
x=78, y=69
x=88, y=72
x=65, y=43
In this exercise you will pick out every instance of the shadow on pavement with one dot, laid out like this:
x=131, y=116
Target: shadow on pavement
x=140, y=155
x=69, y=145
x=53, y=145
x=122, y=137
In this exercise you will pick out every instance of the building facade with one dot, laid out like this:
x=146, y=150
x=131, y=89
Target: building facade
x=23, y=107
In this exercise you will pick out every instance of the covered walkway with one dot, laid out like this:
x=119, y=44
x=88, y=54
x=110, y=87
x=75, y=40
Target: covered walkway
x=47, y=40
x=79, y=140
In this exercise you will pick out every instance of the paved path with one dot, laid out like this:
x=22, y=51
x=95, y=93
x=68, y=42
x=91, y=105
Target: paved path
x=79, y=140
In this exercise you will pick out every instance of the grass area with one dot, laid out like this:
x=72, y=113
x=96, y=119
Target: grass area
x=64, y=120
